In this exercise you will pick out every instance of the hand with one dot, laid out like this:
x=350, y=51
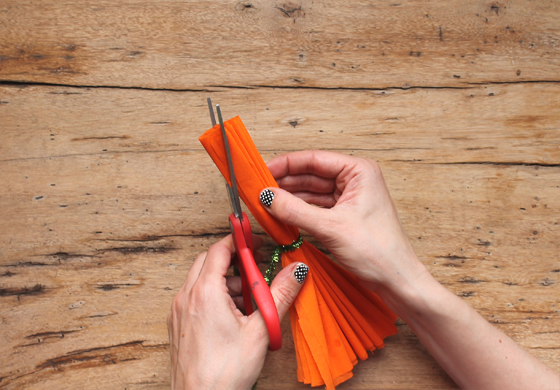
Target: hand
x=213, y=345
x=358, y=223
x=357, y=220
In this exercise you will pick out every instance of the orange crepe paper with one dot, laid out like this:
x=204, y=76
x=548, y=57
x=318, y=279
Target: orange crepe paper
x=334, y=319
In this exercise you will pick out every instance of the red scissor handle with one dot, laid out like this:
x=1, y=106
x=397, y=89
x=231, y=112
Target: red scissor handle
x=246, y=227
x=253, y=281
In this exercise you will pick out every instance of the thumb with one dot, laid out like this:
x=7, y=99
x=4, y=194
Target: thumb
x=286, y=285
x=290, y=209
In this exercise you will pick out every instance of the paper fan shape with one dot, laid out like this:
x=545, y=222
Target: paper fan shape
x=334, y=319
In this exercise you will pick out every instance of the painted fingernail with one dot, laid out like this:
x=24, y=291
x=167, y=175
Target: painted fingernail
x=301, y=272
x=266, y=197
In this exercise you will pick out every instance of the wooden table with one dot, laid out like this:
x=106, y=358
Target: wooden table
x=106, y=195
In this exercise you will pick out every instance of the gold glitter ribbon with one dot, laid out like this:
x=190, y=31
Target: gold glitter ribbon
x=276, y=257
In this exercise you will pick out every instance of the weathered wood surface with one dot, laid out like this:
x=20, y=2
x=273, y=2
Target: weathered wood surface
x=106, y=195
x=303, y=43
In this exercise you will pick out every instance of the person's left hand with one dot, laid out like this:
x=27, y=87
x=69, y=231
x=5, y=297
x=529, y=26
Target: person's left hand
x=213, y=345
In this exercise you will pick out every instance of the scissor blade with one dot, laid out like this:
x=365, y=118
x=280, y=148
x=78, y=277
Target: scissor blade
x=212, y=117
x=235, y=204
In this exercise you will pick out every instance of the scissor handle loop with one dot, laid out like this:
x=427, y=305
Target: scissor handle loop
x=254, y=279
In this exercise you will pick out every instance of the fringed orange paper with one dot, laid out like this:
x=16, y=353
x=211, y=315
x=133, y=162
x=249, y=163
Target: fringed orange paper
x=334, y=319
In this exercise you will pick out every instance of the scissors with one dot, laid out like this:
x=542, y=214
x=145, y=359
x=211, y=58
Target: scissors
x=252, y=281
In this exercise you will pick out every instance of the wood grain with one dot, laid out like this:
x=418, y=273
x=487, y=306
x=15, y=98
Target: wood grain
x=297, y=43
x=106, y=197
x=509, y=124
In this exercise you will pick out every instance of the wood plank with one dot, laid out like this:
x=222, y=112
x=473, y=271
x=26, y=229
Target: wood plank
x=517, y=124
x=300, y=43
x=95, y=243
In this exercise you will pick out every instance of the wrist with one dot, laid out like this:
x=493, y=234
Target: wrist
x=408, y=292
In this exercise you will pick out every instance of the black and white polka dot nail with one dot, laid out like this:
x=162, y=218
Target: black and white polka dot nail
x=301, y=272
x=266, y=197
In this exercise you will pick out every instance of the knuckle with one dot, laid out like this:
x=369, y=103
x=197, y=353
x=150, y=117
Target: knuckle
x=169, y=320
x=177, y=304
x=198, y=295
x=374, y=167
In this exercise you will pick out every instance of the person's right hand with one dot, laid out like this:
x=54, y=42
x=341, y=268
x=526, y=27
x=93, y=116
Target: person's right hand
x=357, y=220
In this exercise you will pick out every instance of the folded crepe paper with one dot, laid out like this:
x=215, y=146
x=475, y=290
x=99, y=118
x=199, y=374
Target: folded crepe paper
x=334, y=319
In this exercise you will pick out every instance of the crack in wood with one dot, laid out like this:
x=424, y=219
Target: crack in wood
x=40, y=337
x=28, y=264
x=101, y=138
x=544, y=165
x=140, y=249
x=114, y=286
x=372, y=89
x=25, y=84
x=290, y=10
x=380, y=132
x=547, y=282
x=147, y=383
x=516, y=82
x=45, y=335
x=162, y=236
x=516, y=311
x=469, y=279
x=466, y=294
x=66, y=255
x=17, y=291
x=452, y=257
x=101, y=315
x=468, y=85
x=102, y=154
x=556, y=331
x=61, y=256
x=93, y=357
x=109, y=355
x=375, y=150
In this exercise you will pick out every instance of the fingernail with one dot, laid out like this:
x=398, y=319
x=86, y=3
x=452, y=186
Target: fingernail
x=266, y=197
x=301, y=272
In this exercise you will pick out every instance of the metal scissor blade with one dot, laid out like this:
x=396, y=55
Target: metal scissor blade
x=212, y=117
x=234, y=195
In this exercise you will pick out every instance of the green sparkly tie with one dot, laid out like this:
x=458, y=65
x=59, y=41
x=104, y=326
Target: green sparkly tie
x=276, y=257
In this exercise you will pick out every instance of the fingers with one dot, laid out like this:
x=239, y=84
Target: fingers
x=307, y=182
x=323, y=200
x=218, y=259
x=286, y=286
x=316, y=162
x=239, y=303
x=292, y=210
x=233, y=284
